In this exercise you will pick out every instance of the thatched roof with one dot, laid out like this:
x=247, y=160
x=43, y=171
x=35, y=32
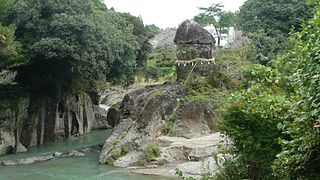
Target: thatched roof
x=190, y=32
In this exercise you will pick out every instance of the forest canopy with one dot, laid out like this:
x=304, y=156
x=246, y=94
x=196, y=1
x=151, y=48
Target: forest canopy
x=70, y=44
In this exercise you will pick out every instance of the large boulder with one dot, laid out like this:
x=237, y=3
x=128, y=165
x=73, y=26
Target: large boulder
x=146, y=115
x=190, y=32
x=143, y=113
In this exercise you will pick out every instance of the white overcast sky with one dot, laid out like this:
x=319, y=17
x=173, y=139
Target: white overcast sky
x=168, y=13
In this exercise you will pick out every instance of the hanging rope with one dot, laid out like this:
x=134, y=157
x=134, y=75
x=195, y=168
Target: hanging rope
x=200, y=60
x=191, y=72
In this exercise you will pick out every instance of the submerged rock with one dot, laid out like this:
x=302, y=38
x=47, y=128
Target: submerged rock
x=29, y=160
x=47, y=157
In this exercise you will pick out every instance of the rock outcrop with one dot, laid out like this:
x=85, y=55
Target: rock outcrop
x=145, y=118
x=142, y=113
x=190, y=32
x=34, y=121
x=193, y=41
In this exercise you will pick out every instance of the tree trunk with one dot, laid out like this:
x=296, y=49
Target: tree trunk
x=218, y=34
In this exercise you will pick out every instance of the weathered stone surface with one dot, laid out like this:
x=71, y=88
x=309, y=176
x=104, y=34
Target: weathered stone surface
x=47, y=157
x=128, y=160
x=192, y=120
x=194, y=49
x=11, y=120
x=57, y=154
x=38, y=120
x=101, y=121
x=192, y=156
x=26, y=161
x=190, y=32
x=21, y=148
x=76, y=153
x=143, y=113
x=189, y=149
x=196, y=169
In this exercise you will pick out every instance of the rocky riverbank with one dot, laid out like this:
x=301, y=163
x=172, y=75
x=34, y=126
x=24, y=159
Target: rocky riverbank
x=166, y=118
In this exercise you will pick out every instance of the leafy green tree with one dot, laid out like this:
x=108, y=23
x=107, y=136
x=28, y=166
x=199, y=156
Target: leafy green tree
x=273, y=15
x=299, y=158
x=142, y=38
x=4, y=6
x=10, y=53
x=251, y=118
x=70, y=43
x=214, y=15
x=268, y=24
x=152, y=30
x=284, y=99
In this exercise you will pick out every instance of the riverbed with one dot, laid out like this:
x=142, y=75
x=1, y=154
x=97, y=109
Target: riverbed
x=68, y=168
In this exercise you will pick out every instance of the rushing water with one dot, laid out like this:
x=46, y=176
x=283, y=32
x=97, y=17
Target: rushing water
x=69, y=168
x=105, y=107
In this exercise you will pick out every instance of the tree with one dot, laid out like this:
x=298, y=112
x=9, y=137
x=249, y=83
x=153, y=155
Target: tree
x=4, y=5
x=251, y=118
x=299, y=158
x=284, y=99
x=142, y=38
x=214, y=15
x=10, y=52
x=70, y=43
x=152, y=30
x=273, y=15
x=268, y=24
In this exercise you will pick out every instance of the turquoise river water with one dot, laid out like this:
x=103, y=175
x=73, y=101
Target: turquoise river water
x=70, y=168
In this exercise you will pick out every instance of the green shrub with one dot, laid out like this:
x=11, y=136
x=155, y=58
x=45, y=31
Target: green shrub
x=151, y=153
x=169, y=72
x=169, y=128
x=116, y=154
x=252, y=120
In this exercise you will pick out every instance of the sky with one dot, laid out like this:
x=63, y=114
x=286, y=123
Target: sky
x=168, y=13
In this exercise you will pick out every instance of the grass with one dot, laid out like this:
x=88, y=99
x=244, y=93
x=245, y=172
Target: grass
x=151, y=153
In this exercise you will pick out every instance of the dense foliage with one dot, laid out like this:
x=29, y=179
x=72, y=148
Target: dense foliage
x=251, y=117
x=10, y=52
x=278, y=102
x=4, y=6
x=268, y=25
x=142, y=36
x=71, y=44
x=300, y=152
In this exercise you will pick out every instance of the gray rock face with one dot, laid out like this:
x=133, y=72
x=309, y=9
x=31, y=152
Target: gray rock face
x=36, y=121
x=194, y=49
x=101, y=121
x=142, y=113
x=11, y=121
x=128, y=160
x=164, y=39
x=145, y=113
x=193, y=120
x=190, y=32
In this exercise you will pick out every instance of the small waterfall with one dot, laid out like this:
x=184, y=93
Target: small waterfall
x=105, y=107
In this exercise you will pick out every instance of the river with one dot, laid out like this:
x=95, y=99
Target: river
x=69, y=168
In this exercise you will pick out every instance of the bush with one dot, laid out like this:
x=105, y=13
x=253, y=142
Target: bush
x=150, y=154
x=251, y=119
